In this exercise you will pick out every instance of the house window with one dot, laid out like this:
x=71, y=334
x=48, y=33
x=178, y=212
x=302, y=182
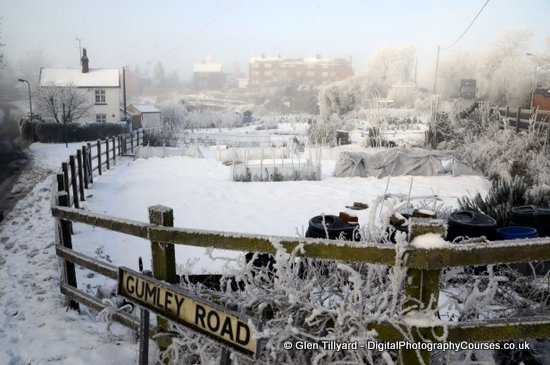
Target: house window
x=100, y=96
x=101, y=118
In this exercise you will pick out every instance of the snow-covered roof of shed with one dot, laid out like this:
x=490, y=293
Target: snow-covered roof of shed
x=146, y=108
x=96, y=77
x=207, y=67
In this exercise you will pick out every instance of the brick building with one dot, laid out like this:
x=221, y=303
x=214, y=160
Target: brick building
x=271, y=71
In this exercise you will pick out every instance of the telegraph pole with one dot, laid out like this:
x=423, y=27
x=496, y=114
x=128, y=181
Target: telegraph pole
x=436, y=68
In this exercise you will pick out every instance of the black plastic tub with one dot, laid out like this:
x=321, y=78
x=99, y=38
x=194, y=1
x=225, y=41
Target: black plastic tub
x=470, y=224
x=332, y=227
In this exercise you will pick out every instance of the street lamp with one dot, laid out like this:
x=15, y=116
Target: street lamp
x=30, y=99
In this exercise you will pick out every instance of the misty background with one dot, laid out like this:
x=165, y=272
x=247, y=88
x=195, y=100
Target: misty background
x=503, y=44
x=140, y=34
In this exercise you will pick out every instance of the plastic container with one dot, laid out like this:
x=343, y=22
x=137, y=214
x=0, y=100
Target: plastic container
x=531, y=216
x=464, y=223
x=516, y=232
x=335, y=227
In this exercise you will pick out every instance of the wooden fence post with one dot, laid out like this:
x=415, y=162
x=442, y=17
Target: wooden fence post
x=85, y=167
x=517, y=120
x=114, y=150
x=79, y=172
x=63, y=238
x=72, y=165
x=99, y=170
x=60, y=183
x=163, y=260
x=422, y=289
x=89, y=164
x=107, y=153
x=65, y=169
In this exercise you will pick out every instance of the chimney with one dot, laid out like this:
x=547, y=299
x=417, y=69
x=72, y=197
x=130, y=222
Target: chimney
x=84, y=61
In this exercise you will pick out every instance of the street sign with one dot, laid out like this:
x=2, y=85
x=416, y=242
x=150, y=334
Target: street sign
x=210, y=319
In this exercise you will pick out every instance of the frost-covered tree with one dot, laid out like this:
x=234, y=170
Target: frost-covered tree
x=512, y=83
x=54, y=100
x=454, y=67
x=159, y=76
x=338, y=98
x=503, y=70
x=388, y=66
x=335, y=101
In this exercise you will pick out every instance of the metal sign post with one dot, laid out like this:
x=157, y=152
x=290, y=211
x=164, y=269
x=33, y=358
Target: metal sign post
x=144, y=325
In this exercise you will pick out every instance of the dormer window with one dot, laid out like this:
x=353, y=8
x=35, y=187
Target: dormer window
x=100, y=97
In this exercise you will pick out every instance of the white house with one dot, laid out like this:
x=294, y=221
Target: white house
x=208, y=75
x=144, y=116
x=100, y=85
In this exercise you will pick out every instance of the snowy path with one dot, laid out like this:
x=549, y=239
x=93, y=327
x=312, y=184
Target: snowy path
x=35, y=326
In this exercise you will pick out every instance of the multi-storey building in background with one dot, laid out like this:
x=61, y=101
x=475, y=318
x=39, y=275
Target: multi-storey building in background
x=272, y=71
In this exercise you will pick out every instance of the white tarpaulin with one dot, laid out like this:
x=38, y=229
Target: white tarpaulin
x=402, y=161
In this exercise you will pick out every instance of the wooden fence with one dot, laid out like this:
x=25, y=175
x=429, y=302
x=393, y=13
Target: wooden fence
x=523, y=119
x=92, y=159
x=423, y=269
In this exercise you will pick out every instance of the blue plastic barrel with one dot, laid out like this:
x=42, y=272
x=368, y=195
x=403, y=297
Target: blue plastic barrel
x=515, y=232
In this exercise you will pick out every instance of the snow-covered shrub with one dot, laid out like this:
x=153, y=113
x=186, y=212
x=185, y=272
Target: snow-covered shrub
x=503, y=154
x=303, y=300
x=323, y=131
x=503, y=195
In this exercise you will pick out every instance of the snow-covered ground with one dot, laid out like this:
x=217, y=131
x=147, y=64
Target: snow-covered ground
x=203, y=197
x=35, y=326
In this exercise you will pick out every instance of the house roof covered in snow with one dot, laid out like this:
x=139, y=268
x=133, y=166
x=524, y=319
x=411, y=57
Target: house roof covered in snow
x=95, y=77
x=146, y=108
x=207, y=67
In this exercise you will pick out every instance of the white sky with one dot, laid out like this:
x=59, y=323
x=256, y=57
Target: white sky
x=180, y=33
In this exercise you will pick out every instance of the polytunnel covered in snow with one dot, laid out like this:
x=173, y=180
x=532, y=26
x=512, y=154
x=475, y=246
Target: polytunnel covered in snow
x=402, y=161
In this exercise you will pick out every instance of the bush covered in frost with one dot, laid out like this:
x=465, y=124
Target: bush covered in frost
x=505, y=194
